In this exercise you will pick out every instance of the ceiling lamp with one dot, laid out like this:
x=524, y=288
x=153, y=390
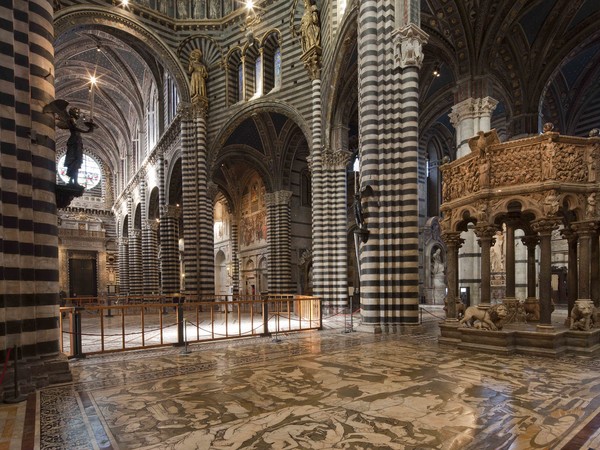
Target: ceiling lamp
x=436, y=71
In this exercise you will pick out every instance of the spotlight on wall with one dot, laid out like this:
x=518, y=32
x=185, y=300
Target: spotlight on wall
x=124, y=2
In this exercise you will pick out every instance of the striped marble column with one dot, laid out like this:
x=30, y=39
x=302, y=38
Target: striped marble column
x=123, y=265
x=169, y=250
x=235, y=257
x=150, y=256
x=190, y=193
x=206, y=193
x=388, y=66
x=136, y=276
x=333, y=239
x=28, y=223
x=280, y=242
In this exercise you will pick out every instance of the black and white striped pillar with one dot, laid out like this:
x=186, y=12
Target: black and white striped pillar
x=29, y=281
x=169, y=250
x=388, y=124
x=124, y=265
x=280, y=242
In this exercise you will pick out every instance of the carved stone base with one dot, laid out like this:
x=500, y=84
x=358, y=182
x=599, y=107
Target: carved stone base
x=528, y=340
x=65, y=193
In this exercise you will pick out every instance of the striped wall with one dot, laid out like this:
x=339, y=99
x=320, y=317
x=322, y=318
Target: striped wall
x=28, y=222
x=235, y=257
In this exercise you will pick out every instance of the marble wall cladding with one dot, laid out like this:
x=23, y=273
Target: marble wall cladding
x=323, y=390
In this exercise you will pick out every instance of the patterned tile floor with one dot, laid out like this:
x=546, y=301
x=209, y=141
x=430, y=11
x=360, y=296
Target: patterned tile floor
x=315, y=390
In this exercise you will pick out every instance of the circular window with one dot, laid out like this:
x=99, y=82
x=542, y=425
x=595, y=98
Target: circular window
x=89, y=172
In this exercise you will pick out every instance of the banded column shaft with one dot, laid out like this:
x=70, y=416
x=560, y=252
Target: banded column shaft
x=531, y=242
x=280, y=242
x=169, y=250
x=135, y=255
x=150, y=256
x=136, y=283
x=388, y=65
x=29, y=243
x=319, y=233
x=149, y=247
x=585, y=231
x=124, y=265
x=485, y=233
x=572, y=276
x=333, y=241
x=190, y=194
x=453, y=242
x=510, y=260
x=235, y=257
x=544, y=228
x=595, y=270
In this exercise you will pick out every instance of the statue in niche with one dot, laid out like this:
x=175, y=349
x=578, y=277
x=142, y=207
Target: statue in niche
x=198, y=75
x=182, y=11
x=71, y=120
x=227, y=7
x=438, y=276
x=497, y=254
x=310, y=29
x=198, y=9
x=590, y=211
x=548, y=169
x=215, y=6
x=163, y=6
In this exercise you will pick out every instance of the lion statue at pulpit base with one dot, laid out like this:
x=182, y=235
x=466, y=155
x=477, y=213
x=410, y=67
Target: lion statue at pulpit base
x=490, y=318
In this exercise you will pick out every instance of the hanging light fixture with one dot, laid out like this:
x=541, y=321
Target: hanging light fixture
x=436, y=71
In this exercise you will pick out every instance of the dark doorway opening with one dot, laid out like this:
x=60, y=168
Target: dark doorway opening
x=82, y=277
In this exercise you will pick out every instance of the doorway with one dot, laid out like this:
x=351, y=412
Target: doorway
x=83, y=276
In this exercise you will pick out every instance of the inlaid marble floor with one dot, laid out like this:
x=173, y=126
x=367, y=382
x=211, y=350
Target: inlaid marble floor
x=322, y=390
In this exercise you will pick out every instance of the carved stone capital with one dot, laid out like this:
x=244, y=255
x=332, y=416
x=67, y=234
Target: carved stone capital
x=452, y=239
x=278, y=198
x=408, y=46
x=335, y=159
x=530, y=241
x=189, y=111
x=123, y=240
x=472, y=108
x=136, y=233
x=170, y=211
x=485, y=231
x=584, y=228
x=545, y=227
x=151, y=224
x=312, y=62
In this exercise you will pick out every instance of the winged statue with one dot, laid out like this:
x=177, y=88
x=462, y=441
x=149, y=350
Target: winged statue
x=71, y=119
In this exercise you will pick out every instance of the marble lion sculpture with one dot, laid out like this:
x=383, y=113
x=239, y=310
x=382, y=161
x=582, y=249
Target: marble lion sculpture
x=490, y=318
x=581, y=316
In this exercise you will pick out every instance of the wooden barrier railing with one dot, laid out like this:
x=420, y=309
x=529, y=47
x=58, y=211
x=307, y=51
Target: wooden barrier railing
x=98, y=325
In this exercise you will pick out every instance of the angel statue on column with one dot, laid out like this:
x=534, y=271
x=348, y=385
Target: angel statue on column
x=71, y=120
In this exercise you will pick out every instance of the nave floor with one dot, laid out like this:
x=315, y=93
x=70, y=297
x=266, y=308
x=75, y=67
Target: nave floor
x=315, y=390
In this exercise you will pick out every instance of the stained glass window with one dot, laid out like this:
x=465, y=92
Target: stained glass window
x=258, y=75
x=89, y=172
x=240, y=83
x=277, y=65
